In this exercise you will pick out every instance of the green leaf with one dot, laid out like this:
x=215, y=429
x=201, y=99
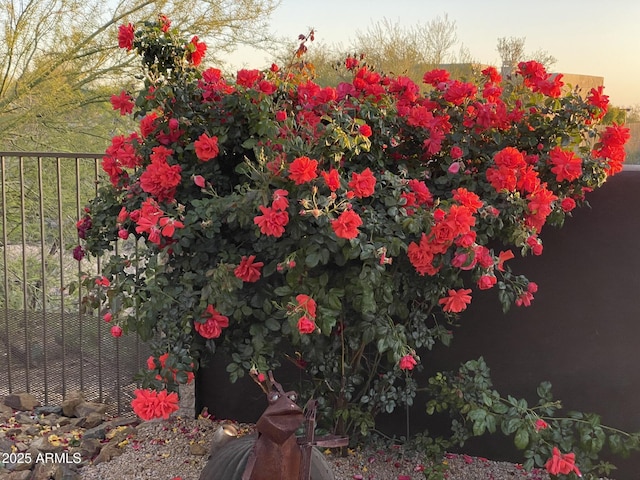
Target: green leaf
x=272, y=324
x=521, y=440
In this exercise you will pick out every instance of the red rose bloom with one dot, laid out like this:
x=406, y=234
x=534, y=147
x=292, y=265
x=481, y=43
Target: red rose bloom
x=206, y=147
x=457, y=300
x=126, y=36
x=485, y=282
x=562, y=463
x=303, y=170
x=365, y=130
x=212, y=327
x=346, y=225
x=308, y=304
x=248, y=270
x=407, y=362
x=566, y=164
x=306, y=325
x=332, y=179
x=248, y=78
x=122, y=102
x=363, y=184
x=150, y=404
x=161, y=179
x=272, y=221
x=196, y=51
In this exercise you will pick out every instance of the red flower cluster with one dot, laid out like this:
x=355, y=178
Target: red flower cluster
x=536, y=77
x=562, y=463
x=274, y=218
x=213, y=325
x=159, y=178
x=150, y=219
x=150, y=404
x=449, y=227
x=162, y=364
x=196, y=51
x=611, y=146
x=306, y=323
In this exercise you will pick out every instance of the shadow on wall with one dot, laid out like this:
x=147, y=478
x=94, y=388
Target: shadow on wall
x=582, y=332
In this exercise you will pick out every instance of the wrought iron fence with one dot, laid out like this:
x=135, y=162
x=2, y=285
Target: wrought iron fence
x=48, y=345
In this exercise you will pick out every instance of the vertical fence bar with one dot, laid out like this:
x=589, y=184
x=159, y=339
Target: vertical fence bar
x=43, y=283
x=80, y=332
x=96, y=170
x=5, y=245
x=61, y=259
x=23, y=238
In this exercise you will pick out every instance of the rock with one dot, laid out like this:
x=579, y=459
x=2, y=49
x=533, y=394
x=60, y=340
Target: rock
x=121, y=422
x=26, y=418
x=47, y=409
x=44, y=445
x=70, y=402
x=21, y=401
x=197, y=449
x=84, y=409
x=90, y=421
x=120, y=434
x=98, y=432
x=24, y=475
x=89, y=447
x=5, y=444
x=46, y=471
x=107, y=453
x=5, y=410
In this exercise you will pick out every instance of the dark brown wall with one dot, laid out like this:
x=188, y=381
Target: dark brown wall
x=582, y=331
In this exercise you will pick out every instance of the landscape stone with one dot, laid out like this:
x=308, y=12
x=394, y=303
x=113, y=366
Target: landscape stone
x=107, y=453
x=21, y=401
x=84, y=409
x=23, y=475
x=197, y=449
x=46, y=471
x=90, y=447
x=44, y=445
x=90, y=421
x=70, y=402
x=5, y=410
x=47, y=409
x=98, y=432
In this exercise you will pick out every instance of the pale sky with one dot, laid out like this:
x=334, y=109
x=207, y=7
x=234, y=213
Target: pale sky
x=589, y=37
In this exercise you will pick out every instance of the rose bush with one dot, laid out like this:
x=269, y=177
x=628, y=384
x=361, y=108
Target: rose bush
x=341, y=227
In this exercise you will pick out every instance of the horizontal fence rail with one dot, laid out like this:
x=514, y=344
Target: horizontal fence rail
x=48, y=345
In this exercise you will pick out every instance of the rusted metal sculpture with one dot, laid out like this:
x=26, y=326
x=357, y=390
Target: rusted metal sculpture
x=276, y=453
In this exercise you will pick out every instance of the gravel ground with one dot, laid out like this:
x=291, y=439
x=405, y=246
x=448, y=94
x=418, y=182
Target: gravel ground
x=164, y=450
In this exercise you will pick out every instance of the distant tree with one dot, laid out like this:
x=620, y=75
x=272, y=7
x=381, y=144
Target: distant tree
x=438, y=38
x=512, y=52
x=59, y=57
